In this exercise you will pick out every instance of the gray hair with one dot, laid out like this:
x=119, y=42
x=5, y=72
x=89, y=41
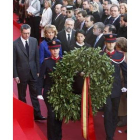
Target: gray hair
x=25, y=26
x=69, y=19
x=100, y=26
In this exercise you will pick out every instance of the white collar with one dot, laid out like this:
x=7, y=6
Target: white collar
x=99, y=36
x=80, y=44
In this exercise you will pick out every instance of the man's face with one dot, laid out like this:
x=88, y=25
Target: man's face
x=114, y=11
x=106, y=30
x=63, y=11
x=105, y=3
x=122, y=22
x=69, y=25
x=88, y=23
x=58, y=9
x=110, y=46
x=96, y=31
x=65, y=3
x=85, y=5
x=69, y=13
x=107, y=10
x=80, y=18
x=25, y=33
x=55, y=52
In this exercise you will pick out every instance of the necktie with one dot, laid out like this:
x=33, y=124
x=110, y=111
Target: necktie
x=111, y=20
x=96, y=41
x=68, y=39
x=27, y=47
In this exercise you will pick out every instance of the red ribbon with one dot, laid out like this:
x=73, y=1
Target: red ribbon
x=87, y=123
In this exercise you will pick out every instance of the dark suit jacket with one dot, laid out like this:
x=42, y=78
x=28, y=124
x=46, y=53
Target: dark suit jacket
x=64, y=43
x=116, y=23
x=90, y=37
x=100, y=42
x=57, y=22
x=22, y=64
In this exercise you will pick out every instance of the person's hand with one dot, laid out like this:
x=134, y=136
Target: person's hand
x=17, y=80
x=123, y=89
x=82, y=74
x=40, y=97
x=37, y=74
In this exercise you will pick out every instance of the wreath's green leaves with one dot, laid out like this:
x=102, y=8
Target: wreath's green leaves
x=98, y=67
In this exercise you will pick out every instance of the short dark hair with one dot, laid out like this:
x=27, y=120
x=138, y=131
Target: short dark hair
x=114, y=5
x=63, y=6
x=79, y=31
x=25, y=26
x=109, y=1
x=111, y=28
x=83, y=12
x=124, y=17
x=91, y=18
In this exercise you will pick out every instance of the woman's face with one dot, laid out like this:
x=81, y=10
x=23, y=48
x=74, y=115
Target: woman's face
x=50, y=34
x=122, y=10
x=80, y=38
x=46, y=5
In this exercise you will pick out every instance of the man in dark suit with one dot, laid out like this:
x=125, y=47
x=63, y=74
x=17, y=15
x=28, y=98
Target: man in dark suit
x=26, y=67
x=81, y=18
x=98, y=29
x=114, y=17
x=67, y=36
x=90, y=37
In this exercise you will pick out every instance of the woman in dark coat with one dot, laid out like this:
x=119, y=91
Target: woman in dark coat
x=94, y=11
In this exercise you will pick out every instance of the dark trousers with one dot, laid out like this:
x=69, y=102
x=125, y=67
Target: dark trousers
x=54, y=126
x=34, y=23
x=33, y=95
x=111, y=116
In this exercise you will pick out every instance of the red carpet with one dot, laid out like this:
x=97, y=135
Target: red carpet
x=72, y=130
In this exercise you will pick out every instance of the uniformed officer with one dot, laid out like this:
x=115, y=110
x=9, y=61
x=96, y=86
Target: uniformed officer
x=54, y=126
x=112, y=102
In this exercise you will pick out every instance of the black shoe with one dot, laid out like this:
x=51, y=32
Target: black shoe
x=40, y=118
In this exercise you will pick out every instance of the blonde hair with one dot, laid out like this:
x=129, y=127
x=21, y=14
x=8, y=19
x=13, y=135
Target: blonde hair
x=125, y=6
x=95, y=6
x=49, y=2
x=52, y=27
x=121, y=42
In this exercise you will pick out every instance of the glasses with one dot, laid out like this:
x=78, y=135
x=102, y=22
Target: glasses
x=68, y=12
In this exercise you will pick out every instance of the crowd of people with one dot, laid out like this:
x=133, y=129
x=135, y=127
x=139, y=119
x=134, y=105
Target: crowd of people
x=59, y=26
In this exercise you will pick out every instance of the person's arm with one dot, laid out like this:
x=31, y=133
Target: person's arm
x=15, y=74
x=37, y=8
x=37, y=57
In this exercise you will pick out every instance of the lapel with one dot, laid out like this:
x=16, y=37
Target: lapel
x=99, y=41
x=22, y=46
x=72, y=36
x=64, y=37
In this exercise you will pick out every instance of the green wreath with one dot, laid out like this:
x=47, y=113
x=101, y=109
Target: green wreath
x=98, y=67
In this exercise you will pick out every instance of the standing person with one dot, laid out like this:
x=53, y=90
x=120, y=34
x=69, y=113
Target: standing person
x=58, y=18
x=26, y=67
x=46, y=18
x=121, y=45
x=113, y=100
x=123, y=26
x=94, y=11
x=90, y=37
x=114, y=17
x=35, y=18
x=50, y=33
x=54, y=126
x=67, y=36
x=98, y=29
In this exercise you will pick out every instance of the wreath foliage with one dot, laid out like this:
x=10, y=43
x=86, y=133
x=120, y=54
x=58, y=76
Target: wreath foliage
x=98, y=67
